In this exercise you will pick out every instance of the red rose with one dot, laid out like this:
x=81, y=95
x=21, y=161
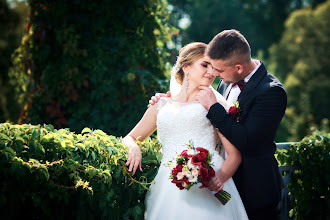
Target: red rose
x=184, y=153
x=211, y=172
x=235, y=112
x=206, y=175
x=177, y=169
x=203, y=172
x=200, y=149
x=179, y=185
x=185, y=179
x=202, y=156
x=199, y=159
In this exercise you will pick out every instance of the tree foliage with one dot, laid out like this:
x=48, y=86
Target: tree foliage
x=83, y=63
x=302, y=59
x=57, y=174
x=11, y=29
x=260, y=21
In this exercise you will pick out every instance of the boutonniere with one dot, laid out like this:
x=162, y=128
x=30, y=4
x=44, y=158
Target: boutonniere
x=235, y=111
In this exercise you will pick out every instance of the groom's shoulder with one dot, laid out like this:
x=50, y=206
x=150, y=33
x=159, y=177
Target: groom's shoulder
x=273, y=81
x=270, y=80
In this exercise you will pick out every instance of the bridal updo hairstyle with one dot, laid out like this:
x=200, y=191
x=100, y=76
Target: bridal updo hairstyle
x=229, y=45
x=187, y=56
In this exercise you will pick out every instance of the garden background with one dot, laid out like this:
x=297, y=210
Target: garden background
x=75, y=64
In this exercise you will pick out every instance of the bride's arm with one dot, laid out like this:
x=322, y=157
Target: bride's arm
x=143, y=129
x=228, y=167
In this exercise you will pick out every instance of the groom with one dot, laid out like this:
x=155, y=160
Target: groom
x=261, y=101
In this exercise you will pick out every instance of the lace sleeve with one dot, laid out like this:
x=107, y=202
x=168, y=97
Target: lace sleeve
x=162, y=101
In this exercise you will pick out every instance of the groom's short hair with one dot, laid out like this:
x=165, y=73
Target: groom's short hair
x=229, y=44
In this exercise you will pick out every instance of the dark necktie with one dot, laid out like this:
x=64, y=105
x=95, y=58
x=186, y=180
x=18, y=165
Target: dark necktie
x=240, y=84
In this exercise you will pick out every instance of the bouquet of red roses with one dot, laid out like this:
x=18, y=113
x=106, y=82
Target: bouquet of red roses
x=193, y=166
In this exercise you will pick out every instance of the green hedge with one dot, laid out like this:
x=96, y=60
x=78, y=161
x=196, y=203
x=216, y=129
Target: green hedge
x=49, y=173
x=311, y=181
x=57, y=174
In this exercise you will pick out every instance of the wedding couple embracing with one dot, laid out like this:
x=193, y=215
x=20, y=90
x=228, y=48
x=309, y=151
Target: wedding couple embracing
x=243, y=115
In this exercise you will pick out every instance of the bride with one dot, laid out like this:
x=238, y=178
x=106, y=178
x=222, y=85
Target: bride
x=178, y=120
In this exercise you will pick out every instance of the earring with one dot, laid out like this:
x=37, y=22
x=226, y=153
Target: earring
x=185, y=82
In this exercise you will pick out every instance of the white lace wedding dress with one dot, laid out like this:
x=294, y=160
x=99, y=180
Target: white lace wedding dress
x=177, y=123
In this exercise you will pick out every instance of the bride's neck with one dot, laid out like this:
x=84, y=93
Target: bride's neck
x=191, y=94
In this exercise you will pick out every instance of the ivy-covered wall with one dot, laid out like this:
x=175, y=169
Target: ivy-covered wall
x=91, y=63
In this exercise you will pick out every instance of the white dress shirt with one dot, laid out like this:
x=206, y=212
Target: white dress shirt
x=235, y=91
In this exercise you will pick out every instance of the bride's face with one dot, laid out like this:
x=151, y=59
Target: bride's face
x=200, y=72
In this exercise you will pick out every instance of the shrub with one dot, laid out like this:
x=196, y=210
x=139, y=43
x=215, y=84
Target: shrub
x=57, y=174
x=310, y=183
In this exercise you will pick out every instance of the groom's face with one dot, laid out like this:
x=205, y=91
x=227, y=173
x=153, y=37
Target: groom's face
x=226, y=72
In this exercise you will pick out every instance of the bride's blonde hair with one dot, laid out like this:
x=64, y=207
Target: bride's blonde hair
x=187, y=56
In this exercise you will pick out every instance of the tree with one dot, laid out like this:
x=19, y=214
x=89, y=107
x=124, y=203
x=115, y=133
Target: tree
x=260, y=21
x=302, y=58
x=91, y=63
x=12, y=21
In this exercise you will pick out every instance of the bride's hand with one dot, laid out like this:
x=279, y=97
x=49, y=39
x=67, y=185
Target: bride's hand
x=215, y=184
x=154, y=99
x=134, y=159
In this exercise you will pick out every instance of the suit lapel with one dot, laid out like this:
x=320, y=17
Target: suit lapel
x=223, y=89
x=253, y=82
x=226, y=93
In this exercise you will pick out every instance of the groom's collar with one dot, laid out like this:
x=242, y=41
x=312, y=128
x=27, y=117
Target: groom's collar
x=246, y=79
x=256, y=77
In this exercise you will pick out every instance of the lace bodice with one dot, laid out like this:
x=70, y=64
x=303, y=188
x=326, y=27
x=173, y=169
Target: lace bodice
x=177, y=123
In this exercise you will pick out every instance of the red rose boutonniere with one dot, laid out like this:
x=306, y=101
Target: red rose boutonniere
x=235, y=111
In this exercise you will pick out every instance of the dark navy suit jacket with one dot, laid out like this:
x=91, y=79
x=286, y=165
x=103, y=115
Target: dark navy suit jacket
x=262, y=102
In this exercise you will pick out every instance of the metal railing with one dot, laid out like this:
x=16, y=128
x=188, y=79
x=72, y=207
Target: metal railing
x=286, y=172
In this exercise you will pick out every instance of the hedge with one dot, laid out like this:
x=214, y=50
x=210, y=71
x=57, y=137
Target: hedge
x=311, y=181
x=57, y=174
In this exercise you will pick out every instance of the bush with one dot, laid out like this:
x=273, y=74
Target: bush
x=310, y=183
x=57, y=174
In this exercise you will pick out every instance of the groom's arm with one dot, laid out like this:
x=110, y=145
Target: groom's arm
x=260, y=124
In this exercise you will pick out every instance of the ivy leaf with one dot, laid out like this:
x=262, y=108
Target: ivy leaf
x=100, y=132
x=9, y=153
x=80, y=146
x=86, y=130
x=137, y=212
x=93, y=156
x=47, y=138
x=4, y=137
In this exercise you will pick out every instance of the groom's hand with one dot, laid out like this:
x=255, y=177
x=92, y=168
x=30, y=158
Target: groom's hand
x=215, y=184
x=154, y=99
x=206, y=97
